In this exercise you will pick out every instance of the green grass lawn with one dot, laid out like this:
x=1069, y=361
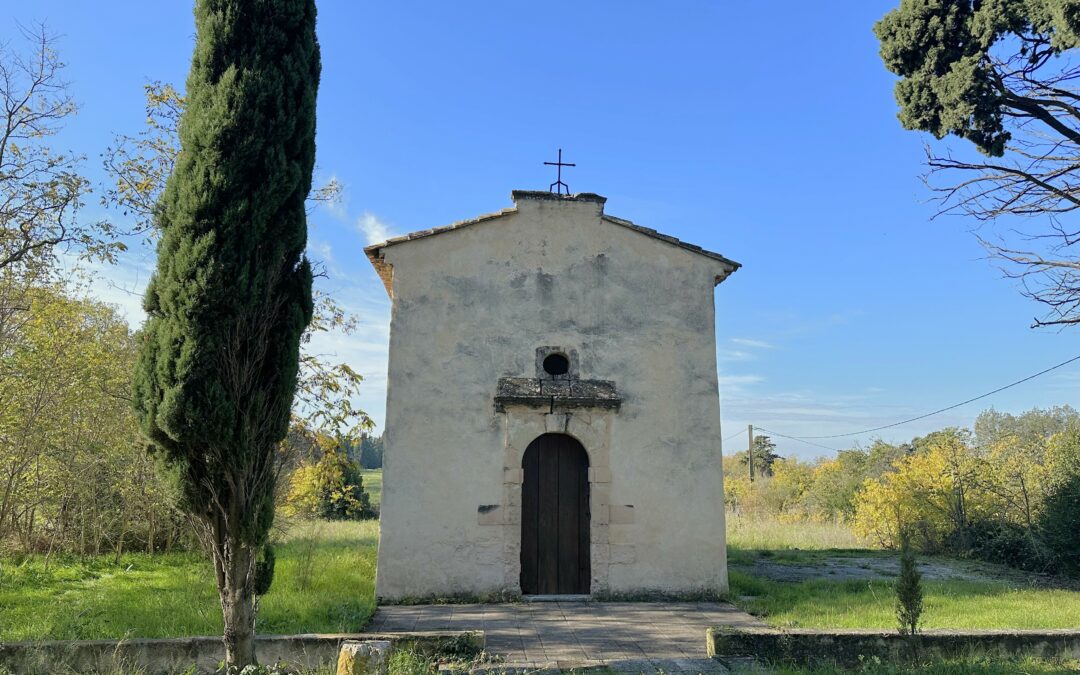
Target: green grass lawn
x=1004, y=599
x=373, y=485
x=872, y=604
x=325, y=574
x=965, y=666
x=323, y=582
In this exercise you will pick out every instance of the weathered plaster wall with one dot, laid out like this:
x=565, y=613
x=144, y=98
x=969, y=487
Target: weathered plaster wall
x=472, y=305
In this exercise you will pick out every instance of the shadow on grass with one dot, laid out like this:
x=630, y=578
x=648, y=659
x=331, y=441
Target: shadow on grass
x=798, y=556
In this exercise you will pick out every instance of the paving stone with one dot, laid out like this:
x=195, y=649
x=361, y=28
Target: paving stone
x=699, y=666
x=604, y=652
x=503, y=644
x=628, y=636
x=633, y=666
x=517, y=668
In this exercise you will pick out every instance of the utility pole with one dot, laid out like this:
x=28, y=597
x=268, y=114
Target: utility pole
x=750, y=450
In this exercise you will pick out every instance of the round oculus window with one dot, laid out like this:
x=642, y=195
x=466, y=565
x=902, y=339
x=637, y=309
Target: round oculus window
x=556, y=364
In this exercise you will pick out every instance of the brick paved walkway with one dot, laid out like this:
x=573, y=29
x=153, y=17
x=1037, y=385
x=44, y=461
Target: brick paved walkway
x=625, y=636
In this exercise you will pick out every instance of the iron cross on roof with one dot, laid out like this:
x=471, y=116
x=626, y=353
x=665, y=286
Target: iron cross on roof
x=558, y=185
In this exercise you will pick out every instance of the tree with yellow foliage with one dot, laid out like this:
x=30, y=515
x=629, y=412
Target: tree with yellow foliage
x=331, y=488
x=930, y=492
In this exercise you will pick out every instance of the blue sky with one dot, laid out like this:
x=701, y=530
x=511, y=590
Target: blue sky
x=763, y=133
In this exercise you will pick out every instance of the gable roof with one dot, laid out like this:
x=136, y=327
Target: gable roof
x=374, y=252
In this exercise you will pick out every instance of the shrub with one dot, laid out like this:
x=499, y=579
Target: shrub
x=331, y=488
x=1059, y=523
x=1002, y=542
x=909, y=594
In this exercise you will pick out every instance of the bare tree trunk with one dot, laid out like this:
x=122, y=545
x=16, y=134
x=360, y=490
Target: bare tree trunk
x=1027, y=501
x=239, y=613
x=30, y=519
x=234, y=563
x=120, y=538
x=150, y=535
x=6, y=506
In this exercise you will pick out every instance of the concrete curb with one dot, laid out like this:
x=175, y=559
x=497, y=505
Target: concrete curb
x=850, y=647
x=169, y=655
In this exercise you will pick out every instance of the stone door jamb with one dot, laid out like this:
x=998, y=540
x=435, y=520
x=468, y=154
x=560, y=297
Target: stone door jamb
x=592, y=428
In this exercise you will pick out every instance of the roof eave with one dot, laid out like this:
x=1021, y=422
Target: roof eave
x=729, y=265
x=385, y=270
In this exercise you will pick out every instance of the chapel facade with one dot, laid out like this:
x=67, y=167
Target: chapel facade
x=552, y=414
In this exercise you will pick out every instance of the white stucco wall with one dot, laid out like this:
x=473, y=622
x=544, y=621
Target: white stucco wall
x=471, y=305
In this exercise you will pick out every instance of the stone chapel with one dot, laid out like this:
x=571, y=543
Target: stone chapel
x=552, y=411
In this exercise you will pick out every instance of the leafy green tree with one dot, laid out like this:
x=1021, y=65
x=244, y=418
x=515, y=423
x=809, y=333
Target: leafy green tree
x=1059, y=522
x=835, y=483
x=882, y=456
x=1020, y=467
x=41, y=188
x=371, y=451
x=139, y=166
x=1058, y=518
x=73, y=474
x=764, y=455
x=231, y=296
x=996, y=74
x=1031, y=428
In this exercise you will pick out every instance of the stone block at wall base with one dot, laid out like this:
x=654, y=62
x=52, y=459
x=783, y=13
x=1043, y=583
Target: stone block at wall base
x=367, y=657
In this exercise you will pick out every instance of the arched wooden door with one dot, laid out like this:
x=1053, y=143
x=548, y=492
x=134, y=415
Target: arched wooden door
x=555, y=517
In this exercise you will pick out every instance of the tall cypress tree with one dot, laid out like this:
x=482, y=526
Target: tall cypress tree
x=232, y=292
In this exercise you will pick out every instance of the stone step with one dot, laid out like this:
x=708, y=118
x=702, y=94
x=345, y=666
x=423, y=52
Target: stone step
x=557, y=598
x=628, y=667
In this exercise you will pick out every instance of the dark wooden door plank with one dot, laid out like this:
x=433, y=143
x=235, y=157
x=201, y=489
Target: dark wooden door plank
x=529, y=521
x=568, y=518
x=555, y=555
x=584, y=570
x=548, y=540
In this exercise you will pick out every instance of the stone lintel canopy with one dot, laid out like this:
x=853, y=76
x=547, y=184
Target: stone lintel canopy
x=561, y=394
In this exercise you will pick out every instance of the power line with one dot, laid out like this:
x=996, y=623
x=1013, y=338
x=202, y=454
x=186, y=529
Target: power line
x=935, y=412
x=794, y=438
x=737, y=433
